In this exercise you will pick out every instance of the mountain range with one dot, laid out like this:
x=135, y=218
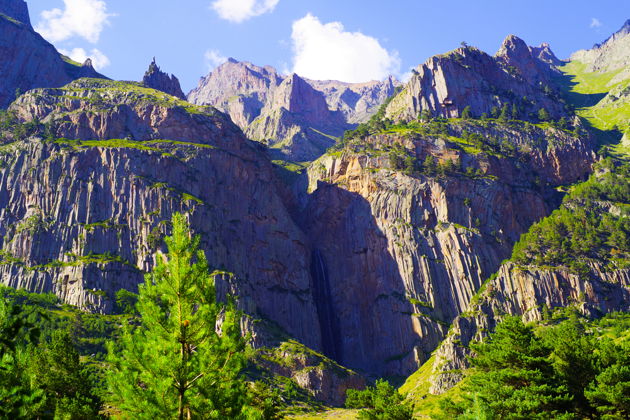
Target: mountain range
x=373, y=223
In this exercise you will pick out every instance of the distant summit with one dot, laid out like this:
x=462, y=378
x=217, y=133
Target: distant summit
x=155, y=78
x=611, y=55
x=299, y=117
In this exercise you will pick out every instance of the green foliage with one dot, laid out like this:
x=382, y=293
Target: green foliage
x=466, y=113
x=56, y=369
x=583, y=228
x=176, y=364
x=381, y=402
x=126, y=302
x=566, y=371
x=18, y=399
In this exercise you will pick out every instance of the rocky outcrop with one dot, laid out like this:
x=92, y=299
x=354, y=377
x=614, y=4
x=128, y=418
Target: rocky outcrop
x=326, y=380
x=84, y=218
x=299, y=118
x=28, y=60
x=528, y=292
x=403, y=255
x=517, y=75
x=155, y=78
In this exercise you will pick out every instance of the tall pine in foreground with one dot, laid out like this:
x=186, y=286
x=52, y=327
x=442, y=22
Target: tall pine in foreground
x=185, y=358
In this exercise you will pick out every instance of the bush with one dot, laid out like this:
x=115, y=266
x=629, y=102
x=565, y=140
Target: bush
x=381, y=402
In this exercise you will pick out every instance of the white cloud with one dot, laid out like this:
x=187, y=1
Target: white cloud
x=83, y=18
x=99, y=60
x=326, y=51
x=214, y=59
x=241, y=10
x=595, y=23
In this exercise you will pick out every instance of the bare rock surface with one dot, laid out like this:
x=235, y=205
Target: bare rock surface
x=155, y=78
x=518, y=75
x=298, y=118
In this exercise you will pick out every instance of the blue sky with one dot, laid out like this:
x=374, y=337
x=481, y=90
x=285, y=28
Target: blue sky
x=344, y=39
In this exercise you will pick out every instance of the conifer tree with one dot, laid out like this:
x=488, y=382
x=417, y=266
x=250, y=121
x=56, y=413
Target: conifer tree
x=185, y=358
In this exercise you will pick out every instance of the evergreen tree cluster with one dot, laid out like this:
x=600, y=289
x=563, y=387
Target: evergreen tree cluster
x=583, y=229
x=561, y=372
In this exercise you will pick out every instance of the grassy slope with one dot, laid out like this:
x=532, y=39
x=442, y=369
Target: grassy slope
x=585, y=89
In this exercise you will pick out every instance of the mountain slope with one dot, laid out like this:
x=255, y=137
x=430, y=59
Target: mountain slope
x=299, y=118
x=28, y=60
x=518, y=77
x=578, y=256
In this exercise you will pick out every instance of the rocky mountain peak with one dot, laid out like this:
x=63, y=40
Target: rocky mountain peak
x=155, y=78
x=611, y=55
x=88, y=64
x=16, y=9
x=546, y=55
x=28, y=60
x=514, y=48
x=297, y=96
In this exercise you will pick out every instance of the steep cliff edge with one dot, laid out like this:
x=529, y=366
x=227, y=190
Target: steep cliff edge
x=85, y=199
x=578, y=256
x=406, y=243
x=517, y=77
x=28, y=60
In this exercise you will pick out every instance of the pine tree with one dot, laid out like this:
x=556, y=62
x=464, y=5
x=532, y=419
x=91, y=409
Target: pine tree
x=56, y=369
x=181, y=361
x=514, y=376
x=18, y=399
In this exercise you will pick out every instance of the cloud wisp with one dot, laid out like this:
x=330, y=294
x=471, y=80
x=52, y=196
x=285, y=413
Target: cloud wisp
x=328, y=52
x=82, y=18
x=214, y=59
x=595, y=23
x=238, y=11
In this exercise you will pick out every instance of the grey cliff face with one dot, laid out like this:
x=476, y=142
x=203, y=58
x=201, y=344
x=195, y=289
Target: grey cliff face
x=525, y=292
x=155, y=78
x=85, y=221
x=404, y=255
x=28, y=60
x=612, y=55
x=444, y=85
x=357, y=101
